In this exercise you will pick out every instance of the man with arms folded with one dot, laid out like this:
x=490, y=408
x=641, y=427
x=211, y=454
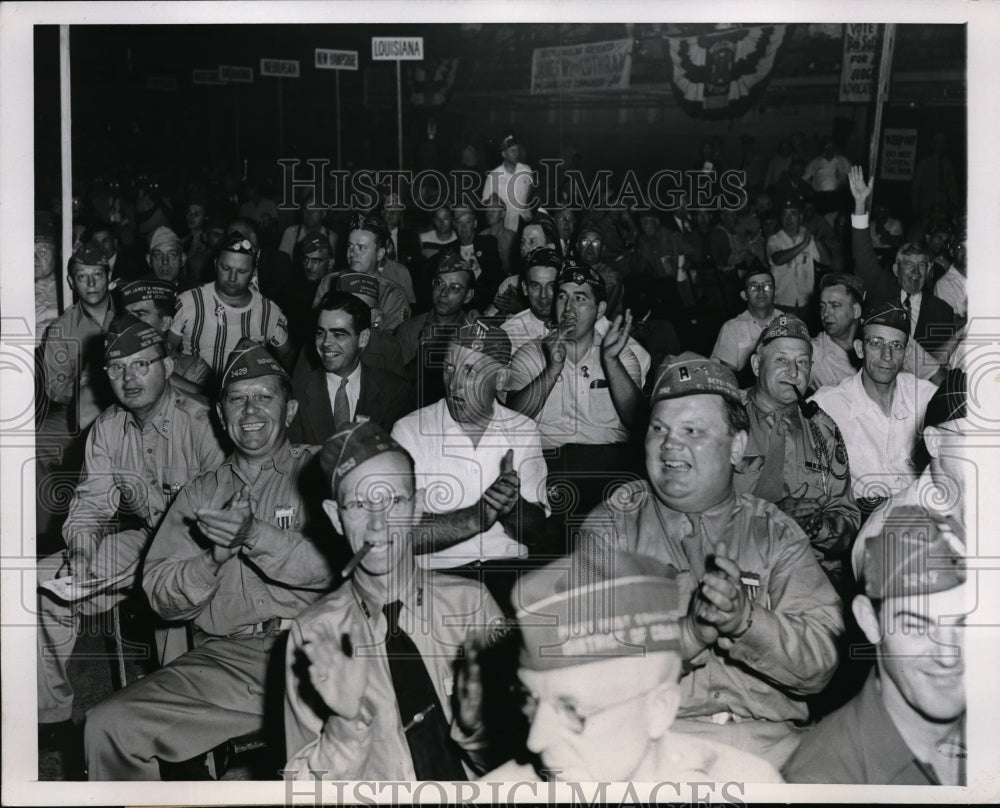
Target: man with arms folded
x=370, y=668
x=601, y=700
x=232, y=556
x=762, y=626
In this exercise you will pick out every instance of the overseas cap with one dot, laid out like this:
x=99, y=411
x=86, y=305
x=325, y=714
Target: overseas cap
x=450, y=262
x=690, y=374
x=889, y=314
x=128, y=335
x=162, y=236
x=89, y=256
x=250, y=360
x=784, y=325
x=487, y=340
x=850, y=281
x=543, y=257
x=351, y=446
x=357, y=283
x=915, y=554
x=581, y=274
x=141, y=291
x=625, y=605
x=373, y=224
x=313, y=242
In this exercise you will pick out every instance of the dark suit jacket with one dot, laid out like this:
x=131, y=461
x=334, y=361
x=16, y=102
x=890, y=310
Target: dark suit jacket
x=936, y=320
x=385, y=398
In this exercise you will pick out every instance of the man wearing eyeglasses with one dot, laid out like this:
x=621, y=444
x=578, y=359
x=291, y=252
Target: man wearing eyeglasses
x=371, y=669
x=590, y=251
x=139, y=454
x=235, y=556
x=600, y=668
x=213, y=317
x=880, y=409
x=738, y=336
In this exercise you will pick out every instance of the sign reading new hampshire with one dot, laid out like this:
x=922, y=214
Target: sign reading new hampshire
x=594, y=66
x=328, y=59
x=391, y=48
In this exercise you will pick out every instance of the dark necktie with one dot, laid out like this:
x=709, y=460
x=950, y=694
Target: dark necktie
x=771, y=482
x=435, y=756
x=341, y=406
x=909, y=310
x=390, y=248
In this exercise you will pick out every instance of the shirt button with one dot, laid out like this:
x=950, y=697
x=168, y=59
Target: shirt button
x=716, y=694
x=260, y=602
x=149, y=451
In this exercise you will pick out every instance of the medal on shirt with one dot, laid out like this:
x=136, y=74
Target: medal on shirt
x=171, y=490
x=284, y=517
x=751, y=584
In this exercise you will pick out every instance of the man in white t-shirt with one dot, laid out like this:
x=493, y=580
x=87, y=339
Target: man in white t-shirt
x=480, y=465
x=512, y=181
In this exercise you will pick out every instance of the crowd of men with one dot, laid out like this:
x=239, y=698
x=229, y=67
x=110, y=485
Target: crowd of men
x=492, y=499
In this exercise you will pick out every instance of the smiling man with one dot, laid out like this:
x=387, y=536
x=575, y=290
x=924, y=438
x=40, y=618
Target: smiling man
x=371, y=668
x=484, y=464
x=738, y=336
x=907, y=726
x=139, y=454
x=762, y=618
x=931, y=321
x=344, y=388
x=799, y=463
x=233, y=557
x=213, y=317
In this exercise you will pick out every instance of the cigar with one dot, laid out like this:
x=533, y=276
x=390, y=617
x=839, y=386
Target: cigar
x=358, y=556
x=807, y=408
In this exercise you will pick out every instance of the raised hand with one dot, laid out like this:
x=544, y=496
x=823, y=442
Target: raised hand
x=337, y=674
x=859, y=189
x=617, y=337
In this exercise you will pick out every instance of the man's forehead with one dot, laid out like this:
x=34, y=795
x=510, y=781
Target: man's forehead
x=571, y=288
x=461, y=277
x=173, y=246
x=700, y=406
x=787, y=346
x=759, y=277
x=142, y=307
x=383, y=473
x=912, y=261
x=885, y=331
x=542, y=274
x=337, y=318
x=836, y=290
x=233, y=259
x=362, y=236
x=934, y=606
x=259, y=383
x=90, y=269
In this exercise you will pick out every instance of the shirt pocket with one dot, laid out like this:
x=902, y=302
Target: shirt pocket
x=602, y=408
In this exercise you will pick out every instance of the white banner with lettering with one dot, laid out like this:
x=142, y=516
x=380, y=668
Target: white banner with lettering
x=594, y=66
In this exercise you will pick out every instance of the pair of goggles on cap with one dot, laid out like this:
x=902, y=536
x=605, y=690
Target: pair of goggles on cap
x=241, y=245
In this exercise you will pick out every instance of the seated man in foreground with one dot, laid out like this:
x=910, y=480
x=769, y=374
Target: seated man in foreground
x=763, y=619
x=906, y=726
x=232, y=557
x=370, y=667
x=584, y=730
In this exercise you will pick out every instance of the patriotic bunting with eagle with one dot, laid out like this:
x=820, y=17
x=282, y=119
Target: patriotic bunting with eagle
x=723, y=73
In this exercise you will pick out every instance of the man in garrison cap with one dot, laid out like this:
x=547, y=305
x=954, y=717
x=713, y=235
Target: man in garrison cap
x=762, y=620
x=583, y=389
x=139, y=453
x=234, y=556
x=166, y=257
x=366, y=240
x=792, y=254
x=906, y=726
x=600, y=668
x=841, y=301
x=155, y=303
x=371, y=668
x=880, y=409
x=213, y=317
x=797, y=461
x=484, y=463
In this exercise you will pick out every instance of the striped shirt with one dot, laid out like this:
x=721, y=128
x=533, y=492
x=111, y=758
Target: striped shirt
x=209, y=328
